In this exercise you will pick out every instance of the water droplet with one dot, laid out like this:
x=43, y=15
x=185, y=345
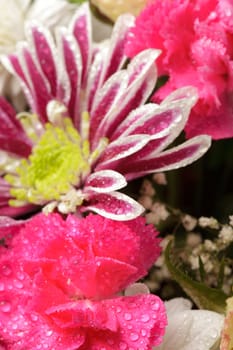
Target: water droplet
x=20, y=275
x=18, y=284
x=123, y=346
x=49, y=333
x=145, y=318
x=2, y=287
x=118, y=309
x=34, y=317
x=128, y=316
x=134, y=336
x=5, y=306
x=6, y=270
x=143, y=332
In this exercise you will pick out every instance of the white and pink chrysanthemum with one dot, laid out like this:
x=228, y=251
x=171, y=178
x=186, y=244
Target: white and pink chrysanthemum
x=88, y=131
x=64, y=291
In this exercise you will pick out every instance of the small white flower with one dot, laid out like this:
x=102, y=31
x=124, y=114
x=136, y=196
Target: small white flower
x=190, y=329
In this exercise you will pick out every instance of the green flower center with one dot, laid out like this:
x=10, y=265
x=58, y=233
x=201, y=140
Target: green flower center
x=57, y=166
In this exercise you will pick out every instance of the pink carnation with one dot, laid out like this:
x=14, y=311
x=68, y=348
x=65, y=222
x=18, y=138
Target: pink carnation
x=63, y=293
x=196, y=39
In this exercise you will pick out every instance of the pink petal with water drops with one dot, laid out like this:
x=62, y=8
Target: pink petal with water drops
x=38, y=85
x=42, y=44
x=83, y=313
x=13, y=65
x=107, y=98
x=173, y=158
x=94, y=78
x=142, y=77
x=121, y=148
x=72, y=61
x=105, y=181
x=81, y=29
x=116, y=57
x=114, y=205
x=143, y=319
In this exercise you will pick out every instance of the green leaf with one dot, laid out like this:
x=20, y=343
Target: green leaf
x=203, y=296
x=78, y=2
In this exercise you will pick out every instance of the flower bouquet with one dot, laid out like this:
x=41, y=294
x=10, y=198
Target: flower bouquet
x=108, y=239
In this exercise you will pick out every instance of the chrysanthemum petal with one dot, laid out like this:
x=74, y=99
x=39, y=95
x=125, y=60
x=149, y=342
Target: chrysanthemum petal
x=116, y=57
x=43, y=45
x=173, y=158
x=121, y=148
x=12, y=136
x=107, y=98
x=142, y=77
x=105, y=181
x=114, y=205
x=81, y=29
x=72, y=71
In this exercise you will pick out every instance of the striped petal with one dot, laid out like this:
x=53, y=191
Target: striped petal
x=173, y=158
x=81, y=29
x=142, y=76
x=122, y=148
x=105, y=181
x=114, y=205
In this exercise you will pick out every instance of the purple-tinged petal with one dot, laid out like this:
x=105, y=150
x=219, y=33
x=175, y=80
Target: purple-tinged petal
x=72, y=65
x=122, y=148
x=34, y=80
x=41, y=42
x=94, y=77
x=116, y=57
x=115, y=205
x=107, y=98
x=173, y=158
x=105, y=181
x=12, y=136
x=142, y=76
x=13, y=65
x=81, y=29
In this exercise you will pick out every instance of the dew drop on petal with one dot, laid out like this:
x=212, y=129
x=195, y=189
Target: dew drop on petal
x=5, y=306
x=2, y=287
x=34, y=317
x=6, y=270
x=18, y=284
x=134, y=336
x=123, y=346
x=127, y=316
x=145, y=318
x=49, y=333
x=143, y=332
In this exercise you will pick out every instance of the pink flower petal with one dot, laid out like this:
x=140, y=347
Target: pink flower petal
x=138, y=316
x=81, y=29
x=174, y=158
x=42, y=43
x=107, y=98
x=116, y=57
x=142, y=77
x=72, y=65
x=105, y=181
x=114, y=205
x=12, y=136
x=121, y=148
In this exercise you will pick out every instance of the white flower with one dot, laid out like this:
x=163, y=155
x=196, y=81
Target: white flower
x=190, y=329
x=13, y=15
